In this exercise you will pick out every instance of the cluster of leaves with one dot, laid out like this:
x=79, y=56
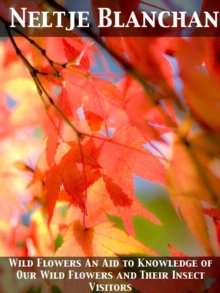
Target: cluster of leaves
x=80, y=136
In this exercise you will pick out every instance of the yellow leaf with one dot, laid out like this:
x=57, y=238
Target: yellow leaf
x=103, y=240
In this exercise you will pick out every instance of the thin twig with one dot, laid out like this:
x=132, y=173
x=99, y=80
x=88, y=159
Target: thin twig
x=152, y=5
x=40, y=88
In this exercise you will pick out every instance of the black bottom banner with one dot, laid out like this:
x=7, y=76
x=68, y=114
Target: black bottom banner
x=134, y=274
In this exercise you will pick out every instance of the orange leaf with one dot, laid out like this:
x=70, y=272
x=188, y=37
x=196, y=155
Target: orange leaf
x=52, y=189
x=73, y=55
x=151, y=120
x=202, y=101
x=127, y=155
x=187, y=188
x=72, y=181
x=102, y=240
x=99, y=203
x=92, y=93
x=62, y=164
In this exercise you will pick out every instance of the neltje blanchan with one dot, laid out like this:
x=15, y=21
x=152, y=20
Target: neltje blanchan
x=109, y=18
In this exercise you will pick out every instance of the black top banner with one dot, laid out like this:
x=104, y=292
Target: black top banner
x=108, y=18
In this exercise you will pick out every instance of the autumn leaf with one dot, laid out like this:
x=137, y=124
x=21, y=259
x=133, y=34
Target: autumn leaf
x=205, y=110
x=73, y=55
x=98, y=205
x=156, y=68
x=152, y=120
x=92, y=93
x=51, y=189
x=187, y=186
x=57, y=165
x=72, y=180
x=127, y=155
x=102, y=240
x=70, y=50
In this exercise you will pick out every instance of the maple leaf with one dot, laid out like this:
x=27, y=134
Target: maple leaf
x=102, y=240
x=70, y=50
x=156, y=68
x=190, y=182
x=73, y=55
x=119, y=157
x=58, y=166
x=52, y=187
x=205, y=110
x=98, y=205
x=92, y=93
x=152, y=120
